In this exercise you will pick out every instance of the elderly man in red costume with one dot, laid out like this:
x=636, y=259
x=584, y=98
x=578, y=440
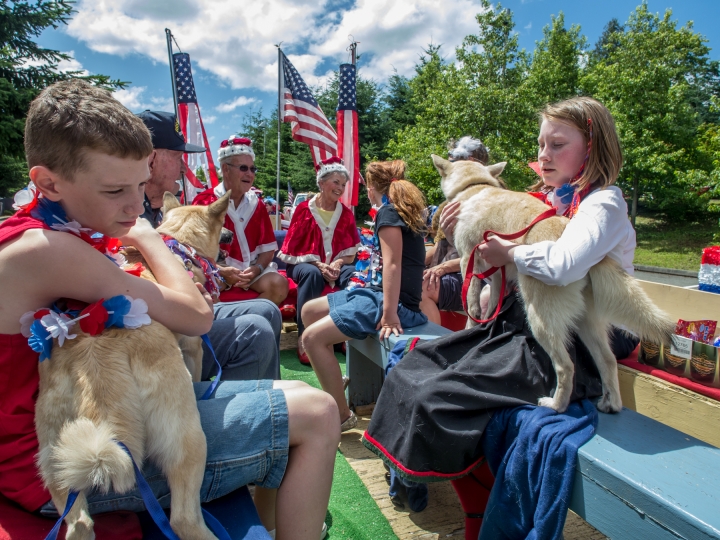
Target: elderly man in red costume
x=249, y=261
x=322, y=241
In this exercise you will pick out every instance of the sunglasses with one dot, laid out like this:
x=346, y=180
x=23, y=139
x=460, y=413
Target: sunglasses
x=244, y=168
x=236, y=140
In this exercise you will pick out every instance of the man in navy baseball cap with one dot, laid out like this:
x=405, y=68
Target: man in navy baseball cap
x=166, y=162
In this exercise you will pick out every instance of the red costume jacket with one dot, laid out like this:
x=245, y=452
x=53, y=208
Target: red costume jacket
x=19, y=384
x=309, y=239
x=250, y=223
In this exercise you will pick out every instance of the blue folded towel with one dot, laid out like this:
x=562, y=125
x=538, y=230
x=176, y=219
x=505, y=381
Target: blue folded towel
x=532, y=451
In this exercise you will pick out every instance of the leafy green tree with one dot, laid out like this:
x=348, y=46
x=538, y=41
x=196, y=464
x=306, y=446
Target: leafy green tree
x=647, y=79
x=481, y=95
x=25, y=69
x=555, y=68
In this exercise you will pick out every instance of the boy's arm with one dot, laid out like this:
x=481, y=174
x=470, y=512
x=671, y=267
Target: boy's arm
x=63, y=266
x=391, y=245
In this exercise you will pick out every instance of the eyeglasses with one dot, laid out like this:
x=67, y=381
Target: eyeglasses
x=244, y=168
x=236, y=140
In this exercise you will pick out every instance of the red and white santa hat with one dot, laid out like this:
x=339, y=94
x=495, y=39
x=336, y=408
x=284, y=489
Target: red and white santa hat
x=330, y=165
x=235, y=145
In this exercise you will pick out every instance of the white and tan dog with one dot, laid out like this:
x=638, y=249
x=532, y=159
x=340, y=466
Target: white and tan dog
x=130, y=386
x=606, y=295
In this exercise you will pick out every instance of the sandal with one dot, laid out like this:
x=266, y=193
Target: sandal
x=349, y=423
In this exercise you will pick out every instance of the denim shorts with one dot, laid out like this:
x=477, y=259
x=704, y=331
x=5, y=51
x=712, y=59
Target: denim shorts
x=246, y=427
x=357, y=313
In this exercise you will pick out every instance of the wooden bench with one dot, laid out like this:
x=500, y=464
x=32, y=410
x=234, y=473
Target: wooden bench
x=367, y=359
x=636, y=478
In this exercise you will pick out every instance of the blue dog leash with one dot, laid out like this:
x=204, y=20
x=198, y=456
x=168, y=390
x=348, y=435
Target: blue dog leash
x=213, y=385
x=151, y=504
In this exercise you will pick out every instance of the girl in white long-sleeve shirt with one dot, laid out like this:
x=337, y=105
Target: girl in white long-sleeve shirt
x=579, y=157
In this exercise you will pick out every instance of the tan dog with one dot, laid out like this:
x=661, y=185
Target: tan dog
x=606, y=295
x=200, y=229
x=129, y=386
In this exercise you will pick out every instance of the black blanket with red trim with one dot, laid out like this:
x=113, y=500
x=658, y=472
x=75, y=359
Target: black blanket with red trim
x=435, y=404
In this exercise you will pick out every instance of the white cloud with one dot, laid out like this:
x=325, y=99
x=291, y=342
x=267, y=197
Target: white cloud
x=63, y=65
x=234, y=104
x=71, y=65
x=234, y=41
x=134, y=99
x=209, y=119
x=528, y=26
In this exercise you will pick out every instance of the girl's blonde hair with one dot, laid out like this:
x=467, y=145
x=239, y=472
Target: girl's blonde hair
x=388, y=178
x=597, y=125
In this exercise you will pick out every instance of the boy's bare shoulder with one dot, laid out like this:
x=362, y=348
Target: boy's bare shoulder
x=41, y=242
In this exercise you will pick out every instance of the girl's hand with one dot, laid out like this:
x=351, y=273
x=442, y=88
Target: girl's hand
x=497, y=252
x=448, y=220
x=389, y=325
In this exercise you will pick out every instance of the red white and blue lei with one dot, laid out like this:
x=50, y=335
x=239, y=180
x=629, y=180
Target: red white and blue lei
x=41, y=326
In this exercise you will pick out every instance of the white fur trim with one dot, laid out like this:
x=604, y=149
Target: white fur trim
x=240, y=217
x=328, y=231
x=327, y=169
x=235, y=150
x=290, y=259
x=349, y=251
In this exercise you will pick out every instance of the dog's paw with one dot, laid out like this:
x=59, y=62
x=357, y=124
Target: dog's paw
x=552, y=404
x=80, y=530
x=609, y=403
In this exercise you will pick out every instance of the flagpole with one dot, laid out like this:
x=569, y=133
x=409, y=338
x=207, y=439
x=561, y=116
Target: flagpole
x=277, y=187
x=169, y=37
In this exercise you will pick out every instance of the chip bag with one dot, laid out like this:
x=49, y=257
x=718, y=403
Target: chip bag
x=702, y=331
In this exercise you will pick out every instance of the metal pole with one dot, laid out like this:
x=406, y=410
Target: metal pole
x=277, y=186
x=169, y=36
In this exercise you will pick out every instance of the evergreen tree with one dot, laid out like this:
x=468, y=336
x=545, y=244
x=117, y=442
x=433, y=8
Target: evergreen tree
x=25, y=69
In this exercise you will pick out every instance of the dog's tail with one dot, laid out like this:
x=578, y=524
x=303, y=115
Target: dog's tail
x=88, y=456
x=620, y=299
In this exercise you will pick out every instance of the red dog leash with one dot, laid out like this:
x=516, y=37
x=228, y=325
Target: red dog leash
x=469, y=274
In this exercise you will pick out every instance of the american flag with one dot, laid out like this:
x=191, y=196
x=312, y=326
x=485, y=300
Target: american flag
x=309, y=124
x=290, y=197
x=192, y=127
x=347, y=129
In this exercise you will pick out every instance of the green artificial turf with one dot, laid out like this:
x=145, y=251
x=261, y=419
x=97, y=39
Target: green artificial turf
x=352, y=512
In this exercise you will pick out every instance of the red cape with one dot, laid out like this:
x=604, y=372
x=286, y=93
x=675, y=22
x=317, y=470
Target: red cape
x=309, y=239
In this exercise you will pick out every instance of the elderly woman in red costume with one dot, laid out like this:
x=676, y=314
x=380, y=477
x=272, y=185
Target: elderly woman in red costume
x=322, y=241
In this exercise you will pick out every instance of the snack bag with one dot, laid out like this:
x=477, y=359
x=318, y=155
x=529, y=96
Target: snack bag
x=702, y=331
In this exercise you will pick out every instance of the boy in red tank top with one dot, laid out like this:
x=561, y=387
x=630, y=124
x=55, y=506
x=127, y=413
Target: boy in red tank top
x=87, y=159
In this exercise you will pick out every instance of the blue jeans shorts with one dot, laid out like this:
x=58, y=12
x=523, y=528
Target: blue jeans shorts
x=357, y=313
x=246, y=427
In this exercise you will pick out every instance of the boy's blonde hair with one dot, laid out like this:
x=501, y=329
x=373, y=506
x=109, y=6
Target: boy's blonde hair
x=388, y=178
x=591, y=117
x=70, y=117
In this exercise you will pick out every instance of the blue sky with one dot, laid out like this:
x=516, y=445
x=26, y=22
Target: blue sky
x=231, y=43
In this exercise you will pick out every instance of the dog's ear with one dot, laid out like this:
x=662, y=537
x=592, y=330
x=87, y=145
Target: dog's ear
x=442, y=165
x=220, y=206
x=497, y=169
x=169, y=202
